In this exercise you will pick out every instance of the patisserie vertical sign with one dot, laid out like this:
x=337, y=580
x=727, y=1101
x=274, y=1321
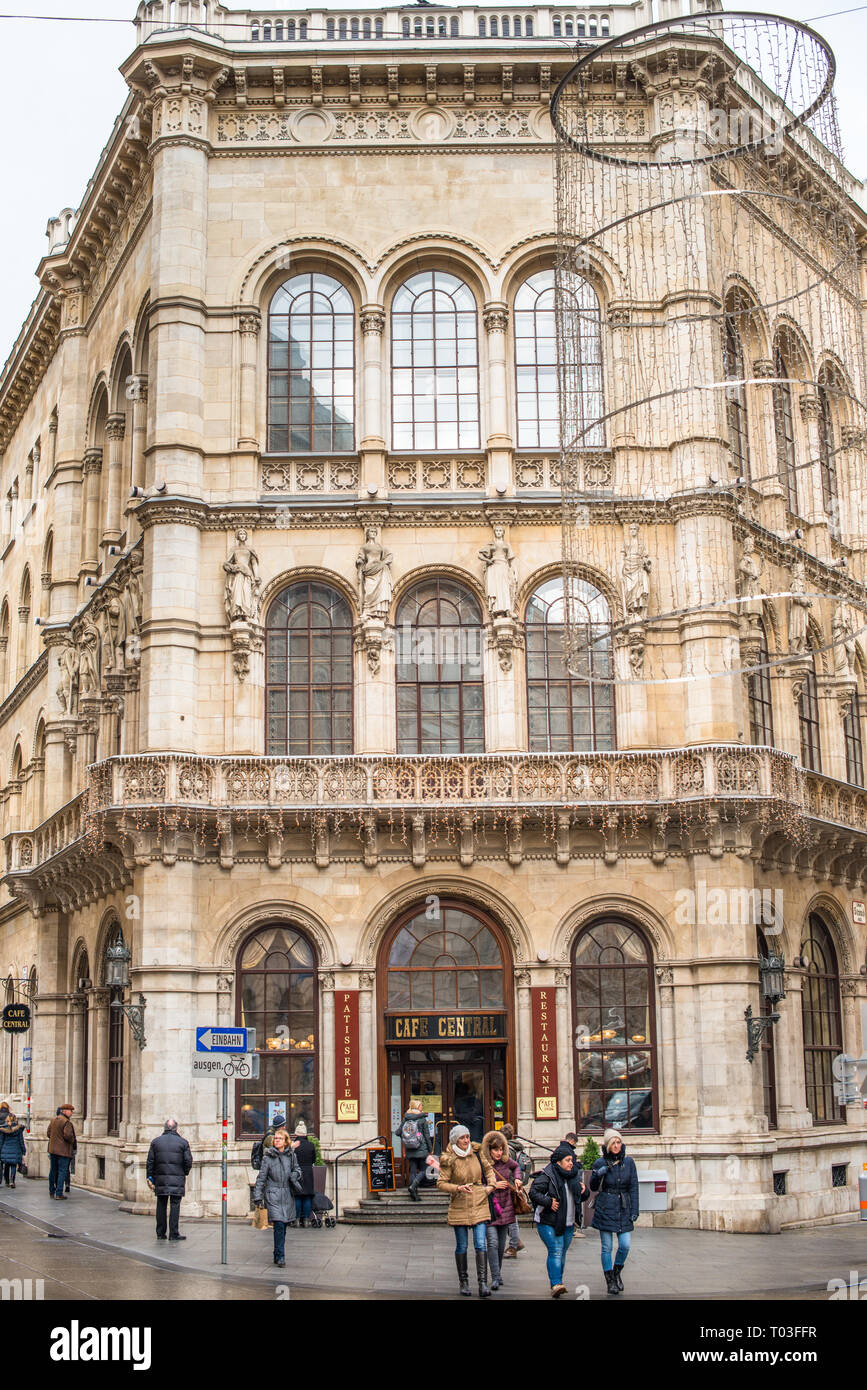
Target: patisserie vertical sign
x=346, y=1058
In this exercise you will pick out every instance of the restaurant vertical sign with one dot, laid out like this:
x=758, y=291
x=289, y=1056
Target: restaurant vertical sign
x=544, y=1032
x=346, y=1059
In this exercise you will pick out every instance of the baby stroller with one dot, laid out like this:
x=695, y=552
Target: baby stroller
x=321, y=1204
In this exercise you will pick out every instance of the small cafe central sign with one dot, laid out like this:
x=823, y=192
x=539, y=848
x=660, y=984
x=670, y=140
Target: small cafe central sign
x=444, y=1027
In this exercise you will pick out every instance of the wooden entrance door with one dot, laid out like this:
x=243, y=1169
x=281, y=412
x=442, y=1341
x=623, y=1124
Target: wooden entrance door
x=452, y=1093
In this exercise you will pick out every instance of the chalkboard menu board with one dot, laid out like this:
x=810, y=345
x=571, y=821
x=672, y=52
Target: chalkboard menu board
x=380, y=1170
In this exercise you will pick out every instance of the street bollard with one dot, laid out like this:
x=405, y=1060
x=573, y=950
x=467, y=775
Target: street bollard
x=862, y=1191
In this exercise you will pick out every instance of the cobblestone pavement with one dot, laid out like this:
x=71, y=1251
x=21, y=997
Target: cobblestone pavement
x=356, y=1261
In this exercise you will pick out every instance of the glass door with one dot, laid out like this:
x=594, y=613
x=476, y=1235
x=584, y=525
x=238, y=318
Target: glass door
x=468, y=1095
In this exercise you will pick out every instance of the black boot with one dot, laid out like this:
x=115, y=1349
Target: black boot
x=617, y=1271
x=461, y=1262
x=482, y=1273
x=610, y=1281
x=413, y=1193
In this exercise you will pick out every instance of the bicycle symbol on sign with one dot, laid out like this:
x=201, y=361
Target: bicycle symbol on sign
x=241, y=1067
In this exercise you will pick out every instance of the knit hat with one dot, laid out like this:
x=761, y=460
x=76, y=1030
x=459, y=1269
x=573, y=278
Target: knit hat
x=609, y=1136
x=458, y=1133
x=301, y=1128
x=278, y=1121
x=562, y=1151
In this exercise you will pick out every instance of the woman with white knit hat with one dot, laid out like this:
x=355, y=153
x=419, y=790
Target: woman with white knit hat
x=467, y=1176
x=614, y=1179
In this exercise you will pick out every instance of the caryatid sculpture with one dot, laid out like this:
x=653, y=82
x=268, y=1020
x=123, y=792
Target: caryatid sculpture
x=375, y=584
x=634, y=573
x=799, y=610
x=500, y=579
x=243, y=584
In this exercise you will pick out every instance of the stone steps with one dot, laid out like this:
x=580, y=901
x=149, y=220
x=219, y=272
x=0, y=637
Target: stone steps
x=396, y=1209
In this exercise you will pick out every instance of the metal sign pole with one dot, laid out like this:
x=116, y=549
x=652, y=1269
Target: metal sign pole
x=225, y=1209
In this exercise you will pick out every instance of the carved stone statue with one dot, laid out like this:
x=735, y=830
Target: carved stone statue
x=130, y=620
x=373, y=567
x=750, y=570
x=88, y=662
x=842, y=631
x=501, y=582
x=799, y=610
x=110, y=654
x=66, y=691
x=634, y=575
x=243, y=585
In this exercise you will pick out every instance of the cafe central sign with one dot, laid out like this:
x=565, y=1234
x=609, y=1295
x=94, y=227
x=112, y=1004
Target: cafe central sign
x=445, y=1027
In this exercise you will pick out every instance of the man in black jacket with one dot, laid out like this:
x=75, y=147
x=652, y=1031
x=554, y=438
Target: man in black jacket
x=169, y=1161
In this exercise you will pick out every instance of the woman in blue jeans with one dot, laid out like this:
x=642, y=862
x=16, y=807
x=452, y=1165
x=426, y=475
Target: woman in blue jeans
x=467, y=1176
x=614, y=1179
x=557, y=1193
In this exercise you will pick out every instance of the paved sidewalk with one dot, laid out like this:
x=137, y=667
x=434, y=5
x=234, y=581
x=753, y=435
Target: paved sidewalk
x=419, y=1262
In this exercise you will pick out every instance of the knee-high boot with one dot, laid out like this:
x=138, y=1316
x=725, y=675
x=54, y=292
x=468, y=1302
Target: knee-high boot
x=463, y=1276
x=482, y=1273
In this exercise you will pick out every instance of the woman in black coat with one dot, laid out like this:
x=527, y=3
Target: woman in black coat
x=12, y=1146
x=557, y=1193
x=615, y=1181
x=305, y=1153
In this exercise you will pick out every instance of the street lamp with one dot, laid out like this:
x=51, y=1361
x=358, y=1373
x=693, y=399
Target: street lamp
x=772, y=981
x=118, y=957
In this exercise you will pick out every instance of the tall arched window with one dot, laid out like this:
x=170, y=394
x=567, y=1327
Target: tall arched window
x=537, y=365
x=116, y=1035
x=766, y=1047
x=759, y=698
x=440, y=699
x=784, y=428
x=736, y=405
x=829, y=395
x=5, y=660
x=820, y=1015
x=852, y=739
x=452, y=961
x=311, y=377
x=612, y=982
x=277, y=995
x=308, y=683
x=24, y=602
x=81, y=1031
x=568, y=713
x=434, y=361
x=808, y=720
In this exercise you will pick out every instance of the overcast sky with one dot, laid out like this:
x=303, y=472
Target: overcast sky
x=61, y=92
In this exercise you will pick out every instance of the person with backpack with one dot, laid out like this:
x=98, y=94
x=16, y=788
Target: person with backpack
x=467, y=1176
x=557, y=1193
x=258, y=1149
x=614, y=1179
x=12, y=1146
x=516, y=1151
x=415, y=1138
x=305, y=1153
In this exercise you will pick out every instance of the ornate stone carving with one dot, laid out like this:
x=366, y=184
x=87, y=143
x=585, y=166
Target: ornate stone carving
x=799, y=610
x=843, y=633
x=373, y=569
x=496, y=318
x=373, y=322
x=505, y=637
x=634, y=574
x=243, y=584
x=250, y=324
x=246, y=638
x=501, y=581
x=67, y=690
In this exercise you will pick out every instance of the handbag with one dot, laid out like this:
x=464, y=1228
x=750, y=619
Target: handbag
x=523, y=1205
x=260, y=1219
x=22, y=1169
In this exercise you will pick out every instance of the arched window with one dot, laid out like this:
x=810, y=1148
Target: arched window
x=441, y=27
x=537, y=366
x=278, y=31
x=808, y=720
x=591, y=28
x=453, y=28
x=116, y=1037
x=277, y=996
x=505, y=26
x=266, y=32
x=440, y=699
x=759, y=697
x=766, y=1047
x=604, y=26
x=452, y=961
x=311, y=378
x=569, y=28
x=302, y=28
x=517, y=26
x=493, y=27
x=353, y=29
x=81, y=1031
x=434, y=357
x=615, y=1072
x=736, y=405
x=829, y=396
x=366, y=29
x=528, y=26
x=377, y=28
x=852, y=738
x=290, y=30
x=405, y=27
x=784, y=428
x=557, y=29
x=4, y=646
x=581, y=28
x=24, y=602
x=567, y=713
x=308, y=683
x=820, y=1015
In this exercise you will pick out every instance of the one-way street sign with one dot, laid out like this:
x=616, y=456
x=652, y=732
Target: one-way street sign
x=217, y=1039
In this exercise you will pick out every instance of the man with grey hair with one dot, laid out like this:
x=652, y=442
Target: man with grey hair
x=169, y=1161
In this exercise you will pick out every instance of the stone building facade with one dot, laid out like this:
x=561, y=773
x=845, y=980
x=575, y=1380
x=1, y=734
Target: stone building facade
x=293, y=722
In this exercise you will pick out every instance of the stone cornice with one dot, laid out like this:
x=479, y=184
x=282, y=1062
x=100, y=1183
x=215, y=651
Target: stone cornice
x=25, y=686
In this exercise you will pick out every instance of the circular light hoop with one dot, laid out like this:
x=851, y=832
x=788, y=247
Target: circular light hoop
x=681, y=25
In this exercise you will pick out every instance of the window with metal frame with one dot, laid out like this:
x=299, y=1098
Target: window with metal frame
x=808, y=720
x=761, y=707
x=854, y=746
x=784, y=427
x=736, y=404
x=278, y=996
x=311, y=366
x=308, y=677
x=434, y=364
x=827, y=390
x=452, y=961
x=440, y=690
x=766, y=1047
x=822, y=1024
x=613, y=1018
x=569, y=713
x=537, y=361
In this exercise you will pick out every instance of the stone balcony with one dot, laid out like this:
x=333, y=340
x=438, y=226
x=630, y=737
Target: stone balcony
x=754, y=802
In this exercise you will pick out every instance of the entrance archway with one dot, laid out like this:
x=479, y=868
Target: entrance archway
x=446, y=1025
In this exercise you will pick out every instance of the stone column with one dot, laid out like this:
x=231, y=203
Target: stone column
x=499, y=443
x=90, y=511
x=760, y=412
x=371, y=429
x=712, y=701
x=810, y=499
x=523, y=1044
x=249, y=326
x=115, y=433
x=138, y=385
x=50, y=1043
x=97, y=1119
x=68, y=482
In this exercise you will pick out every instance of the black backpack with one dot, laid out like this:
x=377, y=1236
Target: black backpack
x=256, y=1155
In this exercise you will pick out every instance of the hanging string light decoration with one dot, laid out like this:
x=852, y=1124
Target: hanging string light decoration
x=707, y=208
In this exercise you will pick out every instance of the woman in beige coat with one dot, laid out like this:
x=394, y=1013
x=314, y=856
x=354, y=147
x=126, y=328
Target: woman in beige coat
x=467, y=1176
